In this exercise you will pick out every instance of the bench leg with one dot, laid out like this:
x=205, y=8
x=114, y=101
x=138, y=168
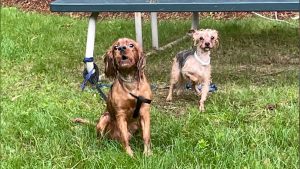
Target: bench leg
x=195, y=20
x=138, y=28
x=154, y=30
x=89, y=53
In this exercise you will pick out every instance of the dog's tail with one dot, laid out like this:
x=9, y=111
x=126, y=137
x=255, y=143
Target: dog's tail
x=83, y=121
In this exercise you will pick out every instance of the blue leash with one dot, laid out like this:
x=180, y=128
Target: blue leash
x=212, y=87
x=86, y=78
x=93, y=78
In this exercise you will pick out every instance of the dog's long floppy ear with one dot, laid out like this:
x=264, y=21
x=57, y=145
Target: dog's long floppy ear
x=141, y=62
x=110, y=70
x=218, y=37
x=191, y=31
x=195, y=35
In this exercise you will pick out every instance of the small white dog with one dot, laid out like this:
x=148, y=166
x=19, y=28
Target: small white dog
x=194, y=65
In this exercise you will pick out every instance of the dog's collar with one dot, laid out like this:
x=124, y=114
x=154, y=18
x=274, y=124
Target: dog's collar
x=201, y=61
x=126, y=80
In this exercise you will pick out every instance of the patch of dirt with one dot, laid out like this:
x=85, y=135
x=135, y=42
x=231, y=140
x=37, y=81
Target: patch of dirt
x=42, y=6
x=179, y=105
x=29, y=5
x=271, y=106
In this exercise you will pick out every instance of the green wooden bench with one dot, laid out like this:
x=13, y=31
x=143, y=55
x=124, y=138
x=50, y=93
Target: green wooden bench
x=154, y=6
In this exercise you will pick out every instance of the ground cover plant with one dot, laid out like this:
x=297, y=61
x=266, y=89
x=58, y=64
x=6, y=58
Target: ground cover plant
x=250, y=122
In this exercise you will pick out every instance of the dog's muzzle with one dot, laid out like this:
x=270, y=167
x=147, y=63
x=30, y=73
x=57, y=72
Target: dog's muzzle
x=207, y=46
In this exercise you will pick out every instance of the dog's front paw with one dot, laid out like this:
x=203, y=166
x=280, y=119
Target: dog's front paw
x=129, y=151
x=201, y=107
x=169, y=98
x=147, y=152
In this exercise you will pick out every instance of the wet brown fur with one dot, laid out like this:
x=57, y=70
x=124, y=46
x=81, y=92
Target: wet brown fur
x=118, y=122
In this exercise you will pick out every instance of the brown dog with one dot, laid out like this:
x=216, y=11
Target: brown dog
x=128, y=103
x=194, y=65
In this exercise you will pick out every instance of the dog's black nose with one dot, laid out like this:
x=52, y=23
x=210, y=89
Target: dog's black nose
x=122, y=48
x=207, y=44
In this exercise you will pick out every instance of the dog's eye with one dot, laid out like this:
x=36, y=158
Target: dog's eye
x=201, y=38
x=131, y=45
x=212, y=38
x=115, y=47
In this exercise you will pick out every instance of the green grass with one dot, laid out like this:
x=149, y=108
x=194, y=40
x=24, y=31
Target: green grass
x=254, y=66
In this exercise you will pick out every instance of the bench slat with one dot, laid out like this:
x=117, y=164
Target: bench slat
x=173, y=5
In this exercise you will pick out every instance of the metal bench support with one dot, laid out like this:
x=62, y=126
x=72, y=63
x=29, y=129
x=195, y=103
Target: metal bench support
x=195, y=20
x=138, y=28
x=89, y=53
x=154, y=27
x=154, y=30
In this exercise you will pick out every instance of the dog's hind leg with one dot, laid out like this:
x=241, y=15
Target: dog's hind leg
x=181, y=85
x=175, y=75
